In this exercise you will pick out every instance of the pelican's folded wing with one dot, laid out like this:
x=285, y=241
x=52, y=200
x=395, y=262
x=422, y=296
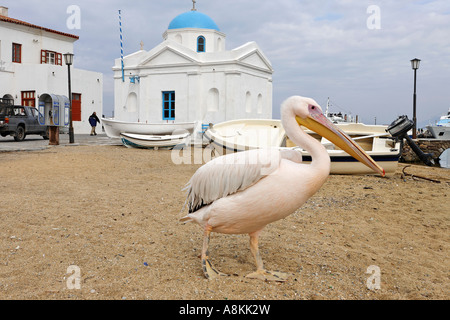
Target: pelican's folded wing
x=230, y=174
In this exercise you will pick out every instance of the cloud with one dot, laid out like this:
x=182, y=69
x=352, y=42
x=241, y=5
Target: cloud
x=318, y=48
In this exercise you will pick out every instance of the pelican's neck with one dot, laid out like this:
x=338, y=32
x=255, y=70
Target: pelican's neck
x=320, y=158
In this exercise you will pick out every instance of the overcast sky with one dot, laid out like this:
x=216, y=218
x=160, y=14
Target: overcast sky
x=357, y=52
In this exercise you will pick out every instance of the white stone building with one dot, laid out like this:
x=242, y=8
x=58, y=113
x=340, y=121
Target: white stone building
x=32, y=66
x=191, y=77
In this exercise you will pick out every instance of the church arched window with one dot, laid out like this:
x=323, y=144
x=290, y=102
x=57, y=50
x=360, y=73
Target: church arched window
x=201, y=44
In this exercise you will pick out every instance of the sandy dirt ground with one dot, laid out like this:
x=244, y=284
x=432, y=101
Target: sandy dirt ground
x=113, y=213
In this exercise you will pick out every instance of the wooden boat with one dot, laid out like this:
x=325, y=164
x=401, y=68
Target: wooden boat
x=114, y=128
x=241, y=135
x=140, y=141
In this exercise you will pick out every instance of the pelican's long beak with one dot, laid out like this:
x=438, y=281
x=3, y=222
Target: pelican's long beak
x=318, y=123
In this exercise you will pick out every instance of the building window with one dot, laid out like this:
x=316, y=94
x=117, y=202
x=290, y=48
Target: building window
x=51, y=57
x=201, y=44
x=169, y=105
x=213, y=100
x=28, y=98
x=260, y=104
x=17, y=53
x=248, y=102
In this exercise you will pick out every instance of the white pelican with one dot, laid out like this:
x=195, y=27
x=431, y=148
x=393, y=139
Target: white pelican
x=243, y=192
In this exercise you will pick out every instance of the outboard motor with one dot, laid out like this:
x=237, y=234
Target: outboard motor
x=399, y=130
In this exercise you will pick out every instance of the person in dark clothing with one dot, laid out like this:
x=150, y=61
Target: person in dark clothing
x=93, y=121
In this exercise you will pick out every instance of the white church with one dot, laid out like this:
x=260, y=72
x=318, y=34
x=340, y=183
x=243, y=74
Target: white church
x=191, y=77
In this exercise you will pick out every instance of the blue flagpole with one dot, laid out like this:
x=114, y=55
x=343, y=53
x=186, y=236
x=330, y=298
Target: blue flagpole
x=121, y=45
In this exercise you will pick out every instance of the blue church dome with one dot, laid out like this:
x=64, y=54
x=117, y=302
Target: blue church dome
x=193, y=19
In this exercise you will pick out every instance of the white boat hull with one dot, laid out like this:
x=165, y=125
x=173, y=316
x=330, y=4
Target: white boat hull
x=440, y=132
x=153, y=142
x=342, y=163
x=115, y=128
x=242, y=135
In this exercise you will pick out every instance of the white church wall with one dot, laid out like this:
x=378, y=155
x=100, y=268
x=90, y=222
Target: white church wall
x=259, y=102
x=212, y=97
x=152, y=96
x=215, y=40
x=121, y=92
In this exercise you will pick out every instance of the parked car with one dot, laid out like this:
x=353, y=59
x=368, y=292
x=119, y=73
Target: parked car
x=20, y=121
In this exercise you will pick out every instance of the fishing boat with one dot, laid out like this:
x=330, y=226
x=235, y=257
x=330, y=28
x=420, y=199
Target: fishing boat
x=242, y=135
x=338, y=117
x=140, y=141
x=115, y=128
x=441, y=130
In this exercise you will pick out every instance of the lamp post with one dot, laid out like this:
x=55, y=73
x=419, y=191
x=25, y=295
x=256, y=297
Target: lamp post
x=415, y=63
x=68, y=57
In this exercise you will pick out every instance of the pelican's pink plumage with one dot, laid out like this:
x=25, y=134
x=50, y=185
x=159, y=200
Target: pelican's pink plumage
x=243, y=192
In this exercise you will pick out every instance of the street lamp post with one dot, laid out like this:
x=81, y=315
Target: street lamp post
x=415, y=63
x=68, y=57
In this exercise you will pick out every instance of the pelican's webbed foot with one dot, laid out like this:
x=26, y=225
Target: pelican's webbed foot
x=209, y=271
x=261, y=273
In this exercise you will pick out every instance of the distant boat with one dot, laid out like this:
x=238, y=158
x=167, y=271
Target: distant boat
x=441, y=130
x=114, y=128
x=140, y=141
x=337, y=117
x=242, y=135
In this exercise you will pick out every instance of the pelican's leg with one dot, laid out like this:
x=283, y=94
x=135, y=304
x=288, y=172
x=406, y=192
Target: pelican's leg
x=208, y=269
x=261, y=273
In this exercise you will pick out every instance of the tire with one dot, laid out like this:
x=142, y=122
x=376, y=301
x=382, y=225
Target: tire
x=20, y=134
x=46, y=136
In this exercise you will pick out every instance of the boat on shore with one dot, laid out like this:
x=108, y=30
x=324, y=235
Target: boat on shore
x=242, y=135
x=441, y=130
x=115, y=128
x=140, y=141
x=248, y=134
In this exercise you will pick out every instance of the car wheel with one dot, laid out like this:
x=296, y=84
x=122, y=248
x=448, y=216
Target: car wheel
x=20, y=134
x=46, y=136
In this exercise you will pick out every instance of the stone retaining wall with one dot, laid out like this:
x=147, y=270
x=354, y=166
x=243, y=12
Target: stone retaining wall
x=433, y=146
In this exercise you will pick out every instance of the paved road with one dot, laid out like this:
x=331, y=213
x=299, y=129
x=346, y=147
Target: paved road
x=34, y=143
